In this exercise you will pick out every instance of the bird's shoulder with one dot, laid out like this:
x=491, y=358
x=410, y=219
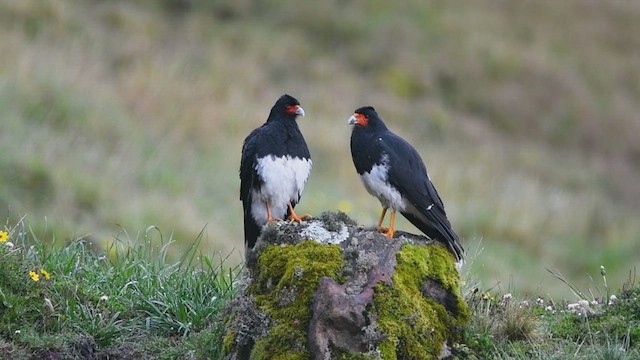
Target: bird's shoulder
x=274, y=139
x=399, y=151
x=263, y=140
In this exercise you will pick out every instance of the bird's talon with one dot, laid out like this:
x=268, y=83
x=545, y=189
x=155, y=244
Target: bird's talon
x=386, y=232
x=299, y=218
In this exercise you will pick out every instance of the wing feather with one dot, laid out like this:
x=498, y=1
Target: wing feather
x=408, y=174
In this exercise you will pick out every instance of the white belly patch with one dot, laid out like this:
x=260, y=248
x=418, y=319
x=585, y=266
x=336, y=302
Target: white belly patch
x=376, y=183
x=283, y=180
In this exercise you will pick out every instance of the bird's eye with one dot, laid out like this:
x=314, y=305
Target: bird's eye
x=363, y=119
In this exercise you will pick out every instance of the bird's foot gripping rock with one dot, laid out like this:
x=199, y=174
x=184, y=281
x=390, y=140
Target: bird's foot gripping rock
x=298, y=219
x=294, y=217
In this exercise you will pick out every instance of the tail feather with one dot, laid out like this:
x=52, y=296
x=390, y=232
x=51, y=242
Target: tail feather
x=251, y=231
x=440, y=231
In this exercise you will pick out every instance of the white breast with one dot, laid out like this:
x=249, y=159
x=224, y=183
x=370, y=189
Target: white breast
x=377, y=184
x=283, y=182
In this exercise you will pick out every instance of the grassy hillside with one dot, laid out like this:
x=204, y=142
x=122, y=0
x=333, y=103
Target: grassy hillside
x=118, y=115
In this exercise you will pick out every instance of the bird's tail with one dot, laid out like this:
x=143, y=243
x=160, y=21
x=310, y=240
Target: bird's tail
x=454, y=243
x=441, y=230
x=251, y=231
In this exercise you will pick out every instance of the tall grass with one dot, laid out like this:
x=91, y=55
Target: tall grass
x=53, y=292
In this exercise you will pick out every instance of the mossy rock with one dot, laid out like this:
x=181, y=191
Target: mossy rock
x=327, y=289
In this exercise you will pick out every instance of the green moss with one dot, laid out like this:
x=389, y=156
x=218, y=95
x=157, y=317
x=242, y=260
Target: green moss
x=284, y=342
x=228, y=341
x=281, y=291
x=416, y=325
x=348, y=356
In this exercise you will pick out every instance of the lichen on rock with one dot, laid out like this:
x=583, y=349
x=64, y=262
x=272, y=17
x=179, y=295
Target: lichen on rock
x=327, y=289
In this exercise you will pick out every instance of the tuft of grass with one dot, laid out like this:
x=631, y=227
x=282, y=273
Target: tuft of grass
x=56, y=297
x=601, y=328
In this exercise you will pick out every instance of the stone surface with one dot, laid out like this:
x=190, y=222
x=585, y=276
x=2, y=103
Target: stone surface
x=328, y=289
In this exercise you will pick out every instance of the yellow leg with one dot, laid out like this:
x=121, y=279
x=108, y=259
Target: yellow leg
x=391, y=231
x=269, y=217
x=296, y=218
x=380, y=219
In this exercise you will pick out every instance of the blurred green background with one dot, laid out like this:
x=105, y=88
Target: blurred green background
x=118, y=115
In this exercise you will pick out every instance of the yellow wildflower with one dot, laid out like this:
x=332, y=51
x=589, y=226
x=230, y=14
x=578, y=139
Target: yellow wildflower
x=34, y=275
x=4, y=236
x=487, y=296
x=45, y=273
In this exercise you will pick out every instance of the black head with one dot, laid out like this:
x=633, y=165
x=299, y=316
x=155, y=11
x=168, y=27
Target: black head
x=287, y=107
x=366, y=117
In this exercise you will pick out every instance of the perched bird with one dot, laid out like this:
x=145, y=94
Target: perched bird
x=274, y=168
x=392, y=170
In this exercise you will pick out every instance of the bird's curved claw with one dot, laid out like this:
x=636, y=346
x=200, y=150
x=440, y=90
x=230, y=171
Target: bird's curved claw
x=387, y=232
x=296, y=218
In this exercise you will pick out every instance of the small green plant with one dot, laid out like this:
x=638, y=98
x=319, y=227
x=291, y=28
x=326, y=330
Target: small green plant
x=605, y=327
x=55, y=296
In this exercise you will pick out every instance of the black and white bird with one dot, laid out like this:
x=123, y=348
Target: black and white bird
x=393, y=171
x=274, y=168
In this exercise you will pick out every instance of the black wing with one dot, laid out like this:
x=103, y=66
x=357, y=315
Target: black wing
x=408, y=174
x=248, y=162
x=249, y=179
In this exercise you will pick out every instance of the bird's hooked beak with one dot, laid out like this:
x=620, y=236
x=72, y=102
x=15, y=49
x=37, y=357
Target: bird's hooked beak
x=358, y=119
x=295, y=109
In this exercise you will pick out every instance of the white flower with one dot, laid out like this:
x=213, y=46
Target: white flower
x=506, y=298
x=104, y=298
x=581, y=308
x=613, y=300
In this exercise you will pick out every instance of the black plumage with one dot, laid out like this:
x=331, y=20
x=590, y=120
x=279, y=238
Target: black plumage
x=393, y=171
x=274, y=168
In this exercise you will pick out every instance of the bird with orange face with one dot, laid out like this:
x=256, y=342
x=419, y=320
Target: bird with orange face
x=393, y=171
